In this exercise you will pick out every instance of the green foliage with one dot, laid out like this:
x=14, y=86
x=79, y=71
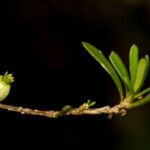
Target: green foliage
x=102, y=60
x=140, y=77
x=120, y=68
x=133, y=61
x=132, y=83
x=143, y=101
x=91, y=103
x=143, y=92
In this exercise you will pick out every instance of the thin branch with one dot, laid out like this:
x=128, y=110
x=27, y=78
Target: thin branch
x=81, y=110
x=28, y=111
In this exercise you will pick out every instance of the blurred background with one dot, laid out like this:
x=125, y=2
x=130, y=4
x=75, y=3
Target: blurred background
x=41, y=45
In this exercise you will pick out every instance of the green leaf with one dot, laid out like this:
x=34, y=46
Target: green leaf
x=147, y=67
x=92, y=103
x=121, y=69
x=143, y=92
x=133, y=62
x=102, y=60
x=141, y=73
x=88, y=101
x=141, y=102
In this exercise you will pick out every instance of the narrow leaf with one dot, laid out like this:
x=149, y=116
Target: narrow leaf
x=141, y=74
x=133, y=62
x=147, y=66
x=143, y=92
x=92, y=103
x=120, y=68
x=143, y=101
x=102, y=60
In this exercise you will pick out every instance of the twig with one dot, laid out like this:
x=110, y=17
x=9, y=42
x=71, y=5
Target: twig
x=81, y=110
x=21, y=110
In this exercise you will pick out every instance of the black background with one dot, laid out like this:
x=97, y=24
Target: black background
x=41, y=46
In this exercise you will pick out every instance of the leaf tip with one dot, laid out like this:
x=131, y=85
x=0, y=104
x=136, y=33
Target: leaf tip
x=134, y=46
x=111, y=53
x=146, y=56
x=84, y=43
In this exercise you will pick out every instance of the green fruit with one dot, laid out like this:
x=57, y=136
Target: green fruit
x=5, y=85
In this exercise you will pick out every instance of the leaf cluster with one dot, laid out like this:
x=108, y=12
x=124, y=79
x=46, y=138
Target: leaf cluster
x=129, y=81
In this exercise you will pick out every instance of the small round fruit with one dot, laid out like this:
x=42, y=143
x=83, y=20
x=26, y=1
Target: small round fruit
x=5, y=85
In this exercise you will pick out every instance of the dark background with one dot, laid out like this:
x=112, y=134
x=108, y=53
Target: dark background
x=41, y=45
